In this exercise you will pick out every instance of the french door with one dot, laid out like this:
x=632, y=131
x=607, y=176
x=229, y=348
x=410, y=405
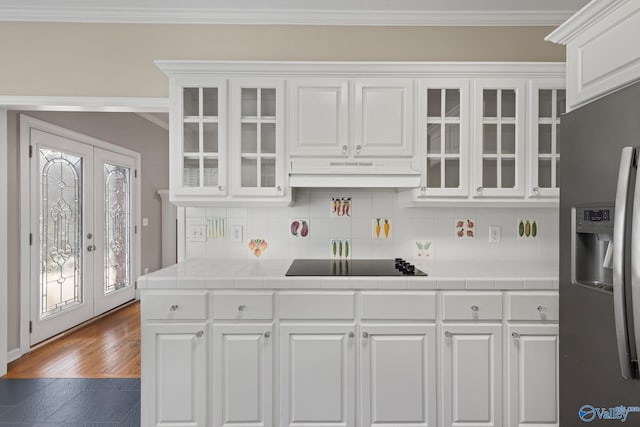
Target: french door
x=82, y=247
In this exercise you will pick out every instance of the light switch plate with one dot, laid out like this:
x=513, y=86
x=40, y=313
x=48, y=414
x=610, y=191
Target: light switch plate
x=494, y=234
x=197, y=233
x=236, y=233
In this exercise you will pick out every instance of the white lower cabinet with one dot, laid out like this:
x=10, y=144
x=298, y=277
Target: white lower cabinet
x=532, y=394
x=317, y=375
x=471, y=375
x=242, y=377
x=174, y=375
x=398, y=375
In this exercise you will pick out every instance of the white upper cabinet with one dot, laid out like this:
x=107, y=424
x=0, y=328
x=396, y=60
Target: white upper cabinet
x=375, y=120
x=443, y=137
x=500, y=138
x=257, y=139
x=383, y=112
x=548, y=102
x=198, y=135
x=319, y=117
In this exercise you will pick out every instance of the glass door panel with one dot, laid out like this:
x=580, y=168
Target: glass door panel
x=551, y=104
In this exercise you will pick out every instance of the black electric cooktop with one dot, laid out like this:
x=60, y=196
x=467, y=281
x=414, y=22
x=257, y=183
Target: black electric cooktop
x=355, y=267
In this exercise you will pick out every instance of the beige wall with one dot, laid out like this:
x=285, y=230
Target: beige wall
x=117, y=59
x=124, y=129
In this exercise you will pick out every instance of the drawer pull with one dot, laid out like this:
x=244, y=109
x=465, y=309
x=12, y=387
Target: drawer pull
x=541, y=309
x=352, y=334
x=174, y=307
x=475, y=308
x=267, y=334
x=365, y=335
x=448, y=334
x=199, y=334
x=515, y=335
x=241, y=307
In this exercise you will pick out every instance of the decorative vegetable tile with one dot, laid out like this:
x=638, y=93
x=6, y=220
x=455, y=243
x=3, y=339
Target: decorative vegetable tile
x=381, y=228
x=527, y=229
x=216, y=227
x=299, y=227
x=340, y=206
x=465, y=228
x=258, y=246
x=340, y=248
x=423, y=249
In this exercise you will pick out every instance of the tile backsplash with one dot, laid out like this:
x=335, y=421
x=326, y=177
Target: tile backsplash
x=374, y=225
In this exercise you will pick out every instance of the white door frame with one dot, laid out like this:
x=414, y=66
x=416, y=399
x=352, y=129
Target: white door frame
x=47, y=103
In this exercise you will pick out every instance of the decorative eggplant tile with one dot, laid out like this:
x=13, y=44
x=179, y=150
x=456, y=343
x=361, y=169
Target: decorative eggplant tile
x=381, y=228
x=340, y=248
x=258, y=246
x=299, y=227
x=340, y=206
x=527, y=229
x=423, y=249
x=465, y=228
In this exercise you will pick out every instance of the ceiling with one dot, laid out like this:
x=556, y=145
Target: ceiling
x=302, y=12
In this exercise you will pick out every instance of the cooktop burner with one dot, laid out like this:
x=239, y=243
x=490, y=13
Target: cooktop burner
x=355, y=267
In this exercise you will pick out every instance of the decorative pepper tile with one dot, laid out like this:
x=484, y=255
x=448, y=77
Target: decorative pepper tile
x=465, y=229
x=527, y=229
x=258, y=246
x=381, y=228
x=340, y=248
x=299, y=227
x=423, y=249
x=340, y=206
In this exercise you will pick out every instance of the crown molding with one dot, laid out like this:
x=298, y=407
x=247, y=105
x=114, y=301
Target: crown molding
x=585, y=18
x=288, y=69
x=160, y=15
x=82, y=103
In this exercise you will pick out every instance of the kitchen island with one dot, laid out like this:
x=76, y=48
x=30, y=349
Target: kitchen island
x=237, y=342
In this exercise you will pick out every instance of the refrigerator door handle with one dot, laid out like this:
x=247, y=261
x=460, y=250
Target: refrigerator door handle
x=635, y=263
x=619, y=237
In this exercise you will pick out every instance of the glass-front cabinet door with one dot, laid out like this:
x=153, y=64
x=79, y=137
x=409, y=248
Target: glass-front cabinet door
x=548, y=102
x=256, y=120
x=444, y=137
x=500, y=135
x=198, y=138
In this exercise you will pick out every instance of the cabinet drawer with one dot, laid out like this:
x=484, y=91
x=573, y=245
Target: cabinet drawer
x=242, y=305
x=317, y=305
x=533, y=306
x=399, y=305
x=472, y=306
x=175, y=306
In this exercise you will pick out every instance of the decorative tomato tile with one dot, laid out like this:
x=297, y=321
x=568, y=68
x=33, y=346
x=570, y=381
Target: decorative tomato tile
x=465, y=228
x=258, y=246
x=381, y=228
x=299, y=227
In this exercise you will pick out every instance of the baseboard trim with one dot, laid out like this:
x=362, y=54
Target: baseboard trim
x=13, y=355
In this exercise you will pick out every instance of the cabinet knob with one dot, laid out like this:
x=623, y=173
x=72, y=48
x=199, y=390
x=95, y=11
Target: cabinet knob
x=279, y=188
x=423, y=189
x=536, y=190
x=91, y=248
x=365, y=335
x=475, y=308
x=199, y=334
x=515, y=335
x=344, y=149
x=448, y=334
x=267, y=334
x=479, y=190
x=220, y=188
x=174, y=307
x=89, y=235
x=352, y=334
x=241, y=307
x=358, y=148
x=541, y=309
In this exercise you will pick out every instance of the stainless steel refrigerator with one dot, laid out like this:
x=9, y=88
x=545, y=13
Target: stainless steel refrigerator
x=600, y=262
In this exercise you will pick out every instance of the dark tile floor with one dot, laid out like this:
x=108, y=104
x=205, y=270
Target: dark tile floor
x=70, y=402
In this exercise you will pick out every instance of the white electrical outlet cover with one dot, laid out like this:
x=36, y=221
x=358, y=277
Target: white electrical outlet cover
x=236, y=233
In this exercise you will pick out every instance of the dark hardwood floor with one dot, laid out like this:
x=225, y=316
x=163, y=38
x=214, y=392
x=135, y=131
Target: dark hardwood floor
x=106, y=348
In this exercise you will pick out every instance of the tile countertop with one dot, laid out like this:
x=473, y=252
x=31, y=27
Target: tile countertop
x=270, y=274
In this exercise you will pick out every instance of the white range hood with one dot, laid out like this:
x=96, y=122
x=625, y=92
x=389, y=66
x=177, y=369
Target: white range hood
x=353, y=173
